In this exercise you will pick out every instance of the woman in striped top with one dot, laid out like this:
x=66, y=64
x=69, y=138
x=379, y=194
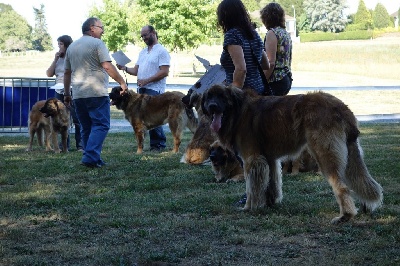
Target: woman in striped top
x=240, y=41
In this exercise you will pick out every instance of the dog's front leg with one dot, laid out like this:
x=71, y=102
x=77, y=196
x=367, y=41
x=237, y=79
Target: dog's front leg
x=54, y=141
x=256, y=172
x=139, y=134
x=64, y=138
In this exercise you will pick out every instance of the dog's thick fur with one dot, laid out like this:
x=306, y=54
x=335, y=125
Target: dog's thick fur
x=51, y=117
x=40, y=125
x=224, y=163
x=264, y=129
x=198, y=148
x=146, y=112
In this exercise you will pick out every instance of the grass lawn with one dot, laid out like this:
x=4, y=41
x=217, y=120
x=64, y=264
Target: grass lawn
x=151, y=210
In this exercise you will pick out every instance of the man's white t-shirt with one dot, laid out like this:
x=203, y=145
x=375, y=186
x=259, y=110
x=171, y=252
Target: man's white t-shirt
x=149, y=64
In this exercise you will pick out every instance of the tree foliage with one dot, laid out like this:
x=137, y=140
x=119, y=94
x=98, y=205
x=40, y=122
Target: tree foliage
x=381, y=17
x=41, y=39
x=15, y=32
x=114, y=17
x=181, y=24
x=326, y=15
x=363, y=17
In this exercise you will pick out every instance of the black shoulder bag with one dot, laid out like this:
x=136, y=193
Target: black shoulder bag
x=267, y=88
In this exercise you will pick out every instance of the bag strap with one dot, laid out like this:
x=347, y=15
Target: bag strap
x=267, y=88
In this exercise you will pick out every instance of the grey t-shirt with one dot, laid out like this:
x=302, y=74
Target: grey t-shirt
x=84, y=57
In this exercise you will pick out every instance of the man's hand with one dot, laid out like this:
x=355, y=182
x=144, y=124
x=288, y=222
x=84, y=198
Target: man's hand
x=124, y=89
x=67, y=100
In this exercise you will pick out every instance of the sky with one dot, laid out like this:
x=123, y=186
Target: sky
x=66, y=17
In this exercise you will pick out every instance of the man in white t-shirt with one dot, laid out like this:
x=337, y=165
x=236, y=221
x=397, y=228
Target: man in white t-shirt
x=151, y=69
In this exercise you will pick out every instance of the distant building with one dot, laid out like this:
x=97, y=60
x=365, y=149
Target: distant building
x=290, y=27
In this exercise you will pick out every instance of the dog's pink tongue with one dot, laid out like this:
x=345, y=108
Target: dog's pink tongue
x=216, y=122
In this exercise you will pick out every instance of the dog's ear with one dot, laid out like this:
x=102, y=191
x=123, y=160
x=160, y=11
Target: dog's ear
x=203, y=99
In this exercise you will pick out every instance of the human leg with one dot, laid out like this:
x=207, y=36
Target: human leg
x=98, y=109
x=78, y=141
x=60, y=97
x=157, y=137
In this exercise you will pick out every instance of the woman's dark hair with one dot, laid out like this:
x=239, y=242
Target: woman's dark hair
x=233, y=14
x=66, y=40
x=88, y=23
x=273, y=15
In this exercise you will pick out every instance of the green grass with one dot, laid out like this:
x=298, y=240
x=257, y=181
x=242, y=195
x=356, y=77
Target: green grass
x=143, y=209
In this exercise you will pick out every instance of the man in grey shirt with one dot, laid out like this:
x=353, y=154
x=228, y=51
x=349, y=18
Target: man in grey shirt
x=88, y=67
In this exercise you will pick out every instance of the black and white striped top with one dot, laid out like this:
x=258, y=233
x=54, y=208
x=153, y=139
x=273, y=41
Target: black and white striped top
x=253, y=78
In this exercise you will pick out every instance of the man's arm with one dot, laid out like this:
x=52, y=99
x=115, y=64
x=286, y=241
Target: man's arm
x=67, y=87
x=162, y=73
x=114, y=74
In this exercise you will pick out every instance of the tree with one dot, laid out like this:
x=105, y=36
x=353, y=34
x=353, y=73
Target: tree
x=363, y=17
x=15, y=31
x=181, y=24
x=381, y=17
x=326, y=15
x=41, y=39
x=114, y=16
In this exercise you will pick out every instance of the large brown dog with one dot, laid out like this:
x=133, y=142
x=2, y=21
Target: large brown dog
x=198, y=148
x=224, y=163
x=264, y=129
x=145, y=112
x=51, y=117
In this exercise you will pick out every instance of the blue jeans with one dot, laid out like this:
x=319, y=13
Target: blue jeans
x=94, y=116
x=157, y=136
x=78, y=141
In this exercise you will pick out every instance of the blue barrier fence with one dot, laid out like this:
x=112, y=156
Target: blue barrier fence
x=17, y=96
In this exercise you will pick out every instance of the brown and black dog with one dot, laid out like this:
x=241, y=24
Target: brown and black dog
x=264, y=129
x=224, y=163
x=198, y=148
x=50, y=117
x=146, y=112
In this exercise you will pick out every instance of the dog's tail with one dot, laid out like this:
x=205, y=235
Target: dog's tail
x=359, y=179
x=193, y=120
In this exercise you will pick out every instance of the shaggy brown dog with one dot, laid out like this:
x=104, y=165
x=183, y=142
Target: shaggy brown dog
x=198, y=148
x=302, y=163
x=52, y=117
x=264, y=129
x=225, y=165
x=145, y=112
x=40, y=125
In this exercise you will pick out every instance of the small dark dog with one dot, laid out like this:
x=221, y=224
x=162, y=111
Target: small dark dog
x=59, y=122
x=225, y=165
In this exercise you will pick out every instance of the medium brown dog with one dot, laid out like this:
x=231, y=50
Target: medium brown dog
x=40, y=125
x=145, y=112
x=51, y=117
x=198, y=148
x=225, y=165
x=264, y=129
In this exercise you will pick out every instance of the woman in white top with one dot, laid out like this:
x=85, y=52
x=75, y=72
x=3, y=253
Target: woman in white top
x=57, y=68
